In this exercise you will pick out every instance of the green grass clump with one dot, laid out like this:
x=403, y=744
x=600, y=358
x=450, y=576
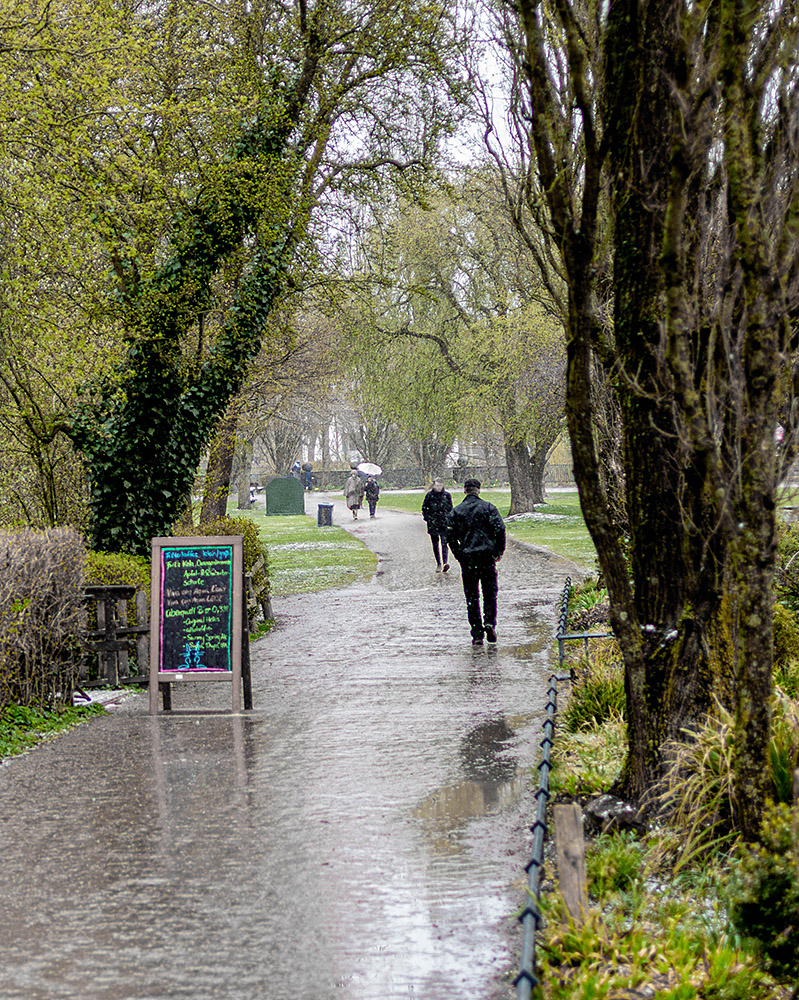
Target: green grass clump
x=589, y=761
x=786, y=650
x=784, y=747
x=23, y=726
x=614, y=864
x=587, y=595
x=598, y=694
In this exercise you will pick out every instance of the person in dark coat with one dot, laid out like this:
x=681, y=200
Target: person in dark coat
x=353, y=491
x=476, y=535
x=436, y=508
x=371, y=491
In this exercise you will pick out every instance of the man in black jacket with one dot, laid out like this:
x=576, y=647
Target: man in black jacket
x=477, y=538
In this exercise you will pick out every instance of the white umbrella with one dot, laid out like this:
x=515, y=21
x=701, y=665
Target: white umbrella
x=370, y=468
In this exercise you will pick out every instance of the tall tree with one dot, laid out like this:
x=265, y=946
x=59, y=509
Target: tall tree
x=407, y=385
x=206, y=155
x=455, y=276
x=665, y=132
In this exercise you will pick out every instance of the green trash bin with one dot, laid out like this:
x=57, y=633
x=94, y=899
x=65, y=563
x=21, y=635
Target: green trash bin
x=324, y=515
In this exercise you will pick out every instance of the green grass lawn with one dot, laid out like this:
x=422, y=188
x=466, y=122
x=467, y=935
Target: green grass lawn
x=556, y=525
x=304, y=558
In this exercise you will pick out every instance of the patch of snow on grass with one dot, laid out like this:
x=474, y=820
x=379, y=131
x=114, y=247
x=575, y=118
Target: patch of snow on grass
x=306, y=546
x=536, y=515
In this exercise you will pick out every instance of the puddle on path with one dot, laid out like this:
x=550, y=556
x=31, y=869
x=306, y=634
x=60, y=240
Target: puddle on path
x=492, y=782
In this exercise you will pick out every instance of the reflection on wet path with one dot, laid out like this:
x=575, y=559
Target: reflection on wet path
x=361, y=835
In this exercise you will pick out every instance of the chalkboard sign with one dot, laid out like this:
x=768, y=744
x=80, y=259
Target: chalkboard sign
x=196, y=619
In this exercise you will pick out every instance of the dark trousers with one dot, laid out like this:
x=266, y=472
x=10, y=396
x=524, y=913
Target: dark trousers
x=434, y=537
x=372, y=506
x=477, y=576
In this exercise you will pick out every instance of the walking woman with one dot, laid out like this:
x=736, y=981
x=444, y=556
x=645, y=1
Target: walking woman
x=353, y=492
x=435, y=509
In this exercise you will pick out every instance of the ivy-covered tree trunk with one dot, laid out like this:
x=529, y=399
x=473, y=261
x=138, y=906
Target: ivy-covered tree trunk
x=143, y=434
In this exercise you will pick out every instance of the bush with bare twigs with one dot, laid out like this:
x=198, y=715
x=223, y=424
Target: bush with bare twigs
x=41, y=587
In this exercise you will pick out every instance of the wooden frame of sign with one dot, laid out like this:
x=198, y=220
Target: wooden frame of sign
x=196, y=620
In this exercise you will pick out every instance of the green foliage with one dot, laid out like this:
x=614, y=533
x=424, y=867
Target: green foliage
x=43, y=484
x=41, y=603
x=784, y=747
x=764, y=895
x=255, y=550
x=787, y=565
x=598, y=693
x=697, y=790
x=614, y=864
x=166, y=161
x=587, y=594
x=596, y=959
x=589, y=761
x=118, y=569
x=407, y=383
x=451, y=332
x=143, y=432
x=786, y=650
x=23, y=726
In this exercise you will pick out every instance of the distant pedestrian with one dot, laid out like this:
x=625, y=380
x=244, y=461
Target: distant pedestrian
x=436, y=508
x=306, y=472
x=296, y=471
x=353, y=491
x=371, y=491
x=477, y=540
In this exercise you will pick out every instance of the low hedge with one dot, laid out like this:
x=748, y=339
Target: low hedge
x=41, y=614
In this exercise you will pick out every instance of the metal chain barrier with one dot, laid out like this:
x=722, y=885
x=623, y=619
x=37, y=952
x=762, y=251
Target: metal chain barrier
x=531, y=915
x=564, y=636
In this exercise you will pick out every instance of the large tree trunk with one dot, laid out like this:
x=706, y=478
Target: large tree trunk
x=220, y=466
x=668, y=666
x=522, y=488
x=538, y=468
x=701, y=211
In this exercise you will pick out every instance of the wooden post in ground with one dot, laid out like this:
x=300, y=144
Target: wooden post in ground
x=143, y=640
x=570, y=850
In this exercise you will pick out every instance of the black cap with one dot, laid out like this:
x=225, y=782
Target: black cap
x=471, y=484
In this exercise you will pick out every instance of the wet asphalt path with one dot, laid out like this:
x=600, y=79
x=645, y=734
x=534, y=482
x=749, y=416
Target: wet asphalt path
x=360, y=835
